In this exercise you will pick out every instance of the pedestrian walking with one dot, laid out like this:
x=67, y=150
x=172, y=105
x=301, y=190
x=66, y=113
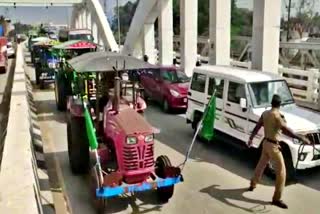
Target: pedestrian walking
x=273, y=124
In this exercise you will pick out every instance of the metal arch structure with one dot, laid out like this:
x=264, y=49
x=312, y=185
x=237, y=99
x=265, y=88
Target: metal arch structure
x=90, y=15
x=140, y=39
x=87, y=14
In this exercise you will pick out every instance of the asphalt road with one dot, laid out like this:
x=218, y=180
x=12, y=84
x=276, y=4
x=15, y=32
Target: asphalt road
x=5, y=91
x=216, y=176
x=3, y=81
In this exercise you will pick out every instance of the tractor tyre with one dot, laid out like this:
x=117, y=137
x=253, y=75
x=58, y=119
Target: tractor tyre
x=78, y=147
x=37, y=74
x=98, y=203
x=61, y=94
x=41, y=84
x=164, y=193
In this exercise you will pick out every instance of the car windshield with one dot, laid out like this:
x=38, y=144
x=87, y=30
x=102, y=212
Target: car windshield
x=81, y=37
x=173, y=76
x=262, y=92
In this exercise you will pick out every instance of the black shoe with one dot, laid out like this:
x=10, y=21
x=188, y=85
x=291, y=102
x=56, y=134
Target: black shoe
x=280, y=204
x=251, y=188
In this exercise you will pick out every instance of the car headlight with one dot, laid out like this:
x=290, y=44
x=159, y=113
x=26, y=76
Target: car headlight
x=296, y=141
x=174, y=93
x=148, y=138
x=131, y=140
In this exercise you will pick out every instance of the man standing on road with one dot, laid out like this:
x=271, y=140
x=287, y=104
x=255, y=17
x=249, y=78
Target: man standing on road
x=273, y=123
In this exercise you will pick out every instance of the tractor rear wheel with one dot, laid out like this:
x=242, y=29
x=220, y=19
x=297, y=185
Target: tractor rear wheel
x=99, y=203
x=78, y=147
x=164, y=193
x=60, y=92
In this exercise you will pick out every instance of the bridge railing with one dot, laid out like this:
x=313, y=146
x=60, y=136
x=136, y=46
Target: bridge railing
x=304, y=84
x=18, y=180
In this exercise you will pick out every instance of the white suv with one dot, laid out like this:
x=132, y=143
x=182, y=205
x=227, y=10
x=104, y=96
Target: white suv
x=242, y=96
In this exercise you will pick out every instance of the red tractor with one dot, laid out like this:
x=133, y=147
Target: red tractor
x=108, y=135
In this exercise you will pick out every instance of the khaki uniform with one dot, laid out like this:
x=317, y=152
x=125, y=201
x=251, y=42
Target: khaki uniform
x=272, y=123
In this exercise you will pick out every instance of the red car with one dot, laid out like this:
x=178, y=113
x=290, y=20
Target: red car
x=167, y=85
x=3, y=55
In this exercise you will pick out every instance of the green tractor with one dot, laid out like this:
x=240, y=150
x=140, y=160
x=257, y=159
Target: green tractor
x=64, y=75
x=45, y=62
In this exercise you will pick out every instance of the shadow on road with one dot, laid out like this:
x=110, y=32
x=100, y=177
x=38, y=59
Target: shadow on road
x=178, y=135
x=226, y=195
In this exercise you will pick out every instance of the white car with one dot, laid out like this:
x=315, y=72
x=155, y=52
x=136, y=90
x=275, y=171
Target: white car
x=10, y=50
x=241, y=97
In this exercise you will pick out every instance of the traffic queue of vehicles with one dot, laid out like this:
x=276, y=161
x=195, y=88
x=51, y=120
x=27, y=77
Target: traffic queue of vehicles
x=241, y=97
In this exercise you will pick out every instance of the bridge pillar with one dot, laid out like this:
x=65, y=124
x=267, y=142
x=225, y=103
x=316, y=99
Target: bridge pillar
x=84, y=18
x=95, y=32
x=189, y=34
x=138, y=46
x=80, y=19
x=76, y=20
x=220, y=20
x=149, y=42
x=165, y=32
x=88, y=20
x=266, y=35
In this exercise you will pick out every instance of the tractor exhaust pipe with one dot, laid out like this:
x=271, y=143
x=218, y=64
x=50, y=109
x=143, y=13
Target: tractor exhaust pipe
x=116, y=97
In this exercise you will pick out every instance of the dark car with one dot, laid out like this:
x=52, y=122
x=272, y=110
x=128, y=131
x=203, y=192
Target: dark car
x=167, y=85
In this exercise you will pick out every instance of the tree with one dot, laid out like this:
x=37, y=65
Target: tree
x=241, y=19
x=126, y=15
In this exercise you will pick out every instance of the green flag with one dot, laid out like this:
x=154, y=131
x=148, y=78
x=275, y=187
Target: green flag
x=93, y=142
x=208, y=120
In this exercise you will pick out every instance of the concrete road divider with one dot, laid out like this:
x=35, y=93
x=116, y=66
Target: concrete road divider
x=18, y=185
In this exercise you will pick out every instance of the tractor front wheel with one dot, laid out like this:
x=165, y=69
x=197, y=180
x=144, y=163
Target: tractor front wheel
x=164, y=193
x=78, y=147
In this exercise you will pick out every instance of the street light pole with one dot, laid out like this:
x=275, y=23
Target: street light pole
x=288, y=23
x=119, y=32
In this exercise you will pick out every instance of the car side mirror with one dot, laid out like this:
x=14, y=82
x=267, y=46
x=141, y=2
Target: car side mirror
x=243, y=104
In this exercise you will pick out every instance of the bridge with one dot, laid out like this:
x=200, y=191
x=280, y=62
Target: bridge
x=35, y=176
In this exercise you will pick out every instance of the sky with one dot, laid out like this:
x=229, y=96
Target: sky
x=58, y=15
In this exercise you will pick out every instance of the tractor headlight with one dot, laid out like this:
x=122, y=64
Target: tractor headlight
x=131, y=140
x=148, y=138
x=52, y=65
x=174, y=93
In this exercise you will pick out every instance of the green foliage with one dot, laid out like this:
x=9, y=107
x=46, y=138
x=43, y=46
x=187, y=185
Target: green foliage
x=241, y=19
x=126, y=15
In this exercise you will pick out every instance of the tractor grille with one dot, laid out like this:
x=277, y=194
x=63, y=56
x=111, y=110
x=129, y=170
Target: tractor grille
x=314, y=138
x=138, y=157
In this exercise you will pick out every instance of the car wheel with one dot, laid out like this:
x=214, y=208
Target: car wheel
x=165, y=106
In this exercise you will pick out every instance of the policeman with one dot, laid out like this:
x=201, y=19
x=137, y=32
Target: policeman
x=273, y=124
